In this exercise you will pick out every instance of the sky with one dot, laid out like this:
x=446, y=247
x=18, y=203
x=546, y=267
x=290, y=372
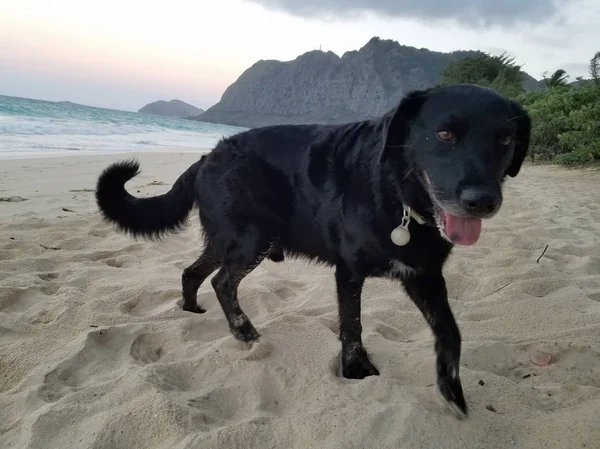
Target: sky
x=123, y=54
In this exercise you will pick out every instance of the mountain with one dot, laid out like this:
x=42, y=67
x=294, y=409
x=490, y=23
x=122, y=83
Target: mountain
x=173, y=108
x=321, y=87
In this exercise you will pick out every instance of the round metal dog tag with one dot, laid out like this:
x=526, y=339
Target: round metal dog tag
x=400, y=236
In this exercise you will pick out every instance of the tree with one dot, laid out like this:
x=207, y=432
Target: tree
x=558, y=79
x=497, y=72
x=594, y=68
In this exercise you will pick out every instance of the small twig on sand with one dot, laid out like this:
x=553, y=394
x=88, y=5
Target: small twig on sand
x=539, y=258
x=67, y=210
x=55, y=248
x=12, y=199
x=497, y=290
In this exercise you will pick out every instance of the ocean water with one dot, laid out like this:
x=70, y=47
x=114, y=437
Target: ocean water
x=44, y=127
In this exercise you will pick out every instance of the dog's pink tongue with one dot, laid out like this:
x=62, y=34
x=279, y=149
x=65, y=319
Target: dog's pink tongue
x=462, y=231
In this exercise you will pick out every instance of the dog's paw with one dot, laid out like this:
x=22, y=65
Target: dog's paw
x=244, y=331
x=450, y=393
x=192, y=307
x=358, y=366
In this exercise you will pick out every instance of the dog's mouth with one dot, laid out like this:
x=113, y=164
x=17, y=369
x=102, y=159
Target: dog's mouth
x=460, y=230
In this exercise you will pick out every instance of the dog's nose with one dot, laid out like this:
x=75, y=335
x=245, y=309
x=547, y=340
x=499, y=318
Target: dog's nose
x=480, y=201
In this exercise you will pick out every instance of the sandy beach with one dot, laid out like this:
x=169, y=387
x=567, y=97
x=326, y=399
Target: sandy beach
x=95, y=351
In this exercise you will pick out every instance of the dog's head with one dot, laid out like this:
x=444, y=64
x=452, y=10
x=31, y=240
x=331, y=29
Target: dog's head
x=459, y=143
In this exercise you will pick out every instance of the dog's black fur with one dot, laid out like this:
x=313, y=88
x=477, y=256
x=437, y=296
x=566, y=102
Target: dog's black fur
x=334, y=194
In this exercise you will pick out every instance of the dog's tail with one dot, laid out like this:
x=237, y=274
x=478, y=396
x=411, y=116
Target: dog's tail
x=148, y=218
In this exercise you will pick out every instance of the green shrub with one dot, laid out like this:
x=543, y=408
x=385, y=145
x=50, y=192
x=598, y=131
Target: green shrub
x=566, y=123
x=573, y=159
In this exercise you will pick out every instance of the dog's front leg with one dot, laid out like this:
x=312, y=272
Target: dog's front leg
x=430, y=295
x=355, y=362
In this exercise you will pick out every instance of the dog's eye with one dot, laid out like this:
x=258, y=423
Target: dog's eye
x=445, y=135
x=505, y=140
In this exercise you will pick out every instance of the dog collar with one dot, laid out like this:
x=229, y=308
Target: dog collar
x=401, y=235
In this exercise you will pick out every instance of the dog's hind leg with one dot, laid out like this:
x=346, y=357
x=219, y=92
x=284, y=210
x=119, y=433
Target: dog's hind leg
x=355, y=362
x=430, y=295
x=241, y=258
x=193, y=277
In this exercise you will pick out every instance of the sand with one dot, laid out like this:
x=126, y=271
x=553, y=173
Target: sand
x=96, y=353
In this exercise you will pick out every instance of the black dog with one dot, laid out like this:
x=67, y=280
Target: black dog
x=335, y=194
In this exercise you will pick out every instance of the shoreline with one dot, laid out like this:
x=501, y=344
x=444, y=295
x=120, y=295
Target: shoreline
x=26, y=155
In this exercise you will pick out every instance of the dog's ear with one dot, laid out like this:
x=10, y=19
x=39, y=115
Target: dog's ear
x=396, y=123
x=522, y=138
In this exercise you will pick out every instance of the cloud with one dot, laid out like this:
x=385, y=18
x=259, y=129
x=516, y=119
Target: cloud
x=575, y=67
x=473, y=13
